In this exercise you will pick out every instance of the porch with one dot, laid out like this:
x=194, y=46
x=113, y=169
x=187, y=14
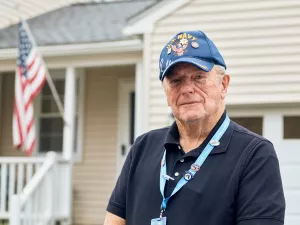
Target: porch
x=104, y=96
x=29, y=190
x=38, y=189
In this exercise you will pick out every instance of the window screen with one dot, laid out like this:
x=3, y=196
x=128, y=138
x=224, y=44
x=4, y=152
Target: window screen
x=51, y=123
x=291, y=127
x=254, y=124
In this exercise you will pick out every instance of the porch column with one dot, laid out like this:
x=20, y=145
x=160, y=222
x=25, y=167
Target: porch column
x=69, y=113
x=273, y=128
x=68, y=140
x=139, y=123
x=1, y=96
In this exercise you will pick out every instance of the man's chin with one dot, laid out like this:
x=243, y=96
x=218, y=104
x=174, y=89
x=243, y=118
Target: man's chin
x=191, y=118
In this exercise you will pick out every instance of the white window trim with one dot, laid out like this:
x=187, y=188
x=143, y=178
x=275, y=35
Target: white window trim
x=283, y=128
x=80, y=74
x=268, y=112
x=1, y=97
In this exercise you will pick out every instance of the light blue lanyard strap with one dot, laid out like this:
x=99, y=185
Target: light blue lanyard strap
x=200, y=160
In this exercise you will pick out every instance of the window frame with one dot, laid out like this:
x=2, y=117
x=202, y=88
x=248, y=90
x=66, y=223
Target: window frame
x=283, y=126
x=61, y=75
x=266, y=110
x=261, y=133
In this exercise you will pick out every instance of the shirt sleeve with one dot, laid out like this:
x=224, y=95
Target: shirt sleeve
x=260, y=198
x=117, y=201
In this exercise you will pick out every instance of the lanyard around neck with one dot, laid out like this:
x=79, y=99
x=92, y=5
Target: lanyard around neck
x=194, y=168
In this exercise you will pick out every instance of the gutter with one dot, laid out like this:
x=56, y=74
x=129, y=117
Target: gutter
x=81, y=49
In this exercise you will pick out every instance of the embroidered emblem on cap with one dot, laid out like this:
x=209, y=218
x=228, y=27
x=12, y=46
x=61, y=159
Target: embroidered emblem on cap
x=179, y=44
x=214, y=142
x=169, y=50
x=203, y=67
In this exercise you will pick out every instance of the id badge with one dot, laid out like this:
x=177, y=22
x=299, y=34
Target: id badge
x=158, y=221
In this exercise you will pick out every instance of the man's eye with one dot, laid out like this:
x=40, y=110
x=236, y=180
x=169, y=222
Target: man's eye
x=198, y=77
x=175, y=81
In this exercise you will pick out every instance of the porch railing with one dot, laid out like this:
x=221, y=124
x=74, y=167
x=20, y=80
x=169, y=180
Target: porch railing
x=34, y=205
x=32, y=190
x=15, y=173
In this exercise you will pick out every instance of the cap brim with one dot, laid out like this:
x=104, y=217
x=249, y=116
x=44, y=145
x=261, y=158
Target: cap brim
x=201, y=64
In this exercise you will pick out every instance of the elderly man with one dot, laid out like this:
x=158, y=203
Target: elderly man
x=204, y=169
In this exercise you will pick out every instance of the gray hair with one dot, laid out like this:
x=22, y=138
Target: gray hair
x=221, y=69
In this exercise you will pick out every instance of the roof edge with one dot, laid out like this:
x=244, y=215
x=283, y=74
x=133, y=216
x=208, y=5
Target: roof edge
x=144, y=22
x=80, y=49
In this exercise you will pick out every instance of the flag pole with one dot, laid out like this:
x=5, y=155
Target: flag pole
x=48, y=77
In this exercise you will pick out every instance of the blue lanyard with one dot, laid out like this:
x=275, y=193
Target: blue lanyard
x=194, y=168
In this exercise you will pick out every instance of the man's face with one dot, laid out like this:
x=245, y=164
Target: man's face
x=194, y=94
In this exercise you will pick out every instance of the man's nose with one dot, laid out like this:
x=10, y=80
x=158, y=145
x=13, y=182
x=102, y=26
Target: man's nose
x=187, y=87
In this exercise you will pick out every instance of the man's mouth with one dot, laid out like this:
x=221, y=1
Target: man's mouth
x=189, y=103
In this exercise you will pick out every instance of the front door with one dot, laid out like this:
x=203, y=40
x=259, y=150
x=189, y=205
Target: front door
x=126, y=120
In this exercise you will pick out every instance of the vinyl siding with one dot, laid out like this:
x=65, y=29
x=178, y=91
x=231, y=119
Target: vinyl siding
x=259, y=41
x=94, y=178
x=287, y=150
x=7, y=98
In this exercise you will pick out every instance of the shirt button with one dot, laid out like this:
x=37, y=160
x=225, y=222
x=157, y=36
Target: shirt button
x=181, y=160
x=176, y=174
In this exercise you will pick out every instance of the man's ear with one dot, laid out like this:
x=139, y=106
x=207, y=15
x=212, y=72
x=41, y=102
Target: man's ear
x=164, y=84
x=225, y=84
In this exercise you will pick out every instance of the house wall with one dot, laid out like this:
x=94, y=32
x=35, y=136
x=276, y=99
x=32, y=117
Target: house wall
x=258, y=39
x=287, y=150
x=261, y=47
x=95, y=176
x=7, y=100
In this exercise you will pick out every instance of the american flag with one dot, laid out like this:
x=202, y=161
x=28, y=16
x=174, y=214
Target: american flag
x=30, y=78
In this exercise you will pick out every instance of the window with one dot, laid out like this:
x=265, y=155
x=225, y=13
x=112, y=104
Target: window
x=50, y=122
x=251, y=123
x=291, y=127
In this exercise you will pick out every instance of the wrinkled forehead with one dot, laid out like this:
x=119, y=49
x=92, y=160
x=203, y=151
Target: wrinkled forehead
x=183, y=69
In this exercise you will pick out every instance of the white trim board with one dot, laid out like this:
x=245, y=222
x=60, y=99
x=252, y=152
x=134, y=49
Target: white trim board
x=1, y=97
x=80, y=76
x=144, y=22
x=262, y=110
x=124, y=85
x=80, y=49
x=96, y=60
x=80, y=73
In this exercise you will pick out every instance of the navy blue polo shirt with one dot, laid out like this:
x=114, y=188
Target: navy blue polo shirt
x=239, y=183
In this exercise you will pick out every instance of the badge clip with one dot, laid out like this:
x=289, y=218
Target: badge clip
x=167, y=177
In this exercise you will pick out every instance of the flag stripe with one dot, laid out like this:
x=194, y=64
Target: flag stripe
x=19, y=135
x=31, y=59
x=31, y=56
x=36, y=64
x=29, y=79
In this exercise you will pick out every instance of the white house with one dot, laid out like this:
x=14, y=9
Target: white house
x=112, y=50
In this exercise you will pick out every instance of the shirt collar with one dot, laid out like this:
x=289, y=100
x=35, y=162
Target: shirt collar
x=172, y=138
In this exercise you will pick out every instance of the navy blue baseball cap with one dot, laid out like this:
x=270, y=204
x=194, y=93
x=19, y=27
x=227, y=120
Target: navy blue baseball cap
x=190, y=47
